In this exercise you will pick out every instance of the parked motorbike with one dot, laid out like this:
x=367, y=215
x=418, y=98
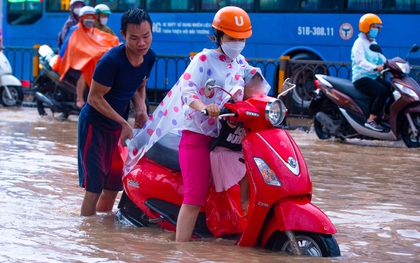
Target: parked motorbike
x=11, y=92
x=50, y=92
x=280, y=215
x=59, y=95
x=340, y=110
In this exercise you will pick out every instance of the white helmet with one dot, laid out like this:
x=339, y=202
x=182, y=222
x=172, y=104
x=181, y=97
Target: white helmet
x=102, y=9
x=86, y=10
x=75, y=1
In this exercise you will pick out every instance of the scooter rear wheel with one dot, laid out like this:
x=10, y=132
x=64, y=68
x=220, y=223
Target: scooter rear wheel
x=409, y=138
x=321, y=131
x=310, y=244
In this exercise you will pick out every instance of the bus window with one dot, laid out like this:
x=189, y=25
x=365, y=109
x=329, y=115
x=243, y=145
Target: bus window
x=113, y=5
x=367, y=5
x=171, y=5
x=61, y=5
x=279, y=5
x=214, y=5
x=23, y=12
x=405, y=5
x=120, y=5
x=57, y=5
x=320, y=5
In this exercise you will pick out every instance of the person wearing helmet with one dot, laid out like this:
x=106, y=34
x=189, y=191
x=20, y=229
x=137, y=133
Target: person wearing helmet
x=74, y=8
x=102, y=12
x=224, y=64
x=81, y=50
x=119, y=78
x=366, y=66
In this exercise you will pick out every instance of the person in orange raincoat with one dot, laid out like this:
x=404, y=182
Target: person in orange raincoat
x=82, y=49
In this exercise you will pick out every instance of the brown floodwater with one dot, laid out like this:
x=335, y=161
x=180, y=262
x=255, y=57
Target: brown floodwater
x=369, y=189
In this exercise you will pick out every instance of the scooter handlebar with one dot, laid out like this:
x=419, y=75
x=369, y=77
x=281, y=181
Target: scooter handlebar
x=224, y=112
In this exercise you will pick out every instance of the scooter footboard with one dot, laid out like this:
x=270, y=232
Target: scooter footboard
x=296, y=214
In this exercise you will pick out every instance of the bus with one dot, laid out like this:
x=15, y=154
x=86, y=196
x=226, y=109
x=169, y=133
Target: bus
x=298, y=29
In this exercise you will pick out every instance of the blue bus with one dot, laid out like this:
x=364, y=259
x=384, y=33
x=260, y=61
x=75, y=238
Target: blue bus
x=309, y=29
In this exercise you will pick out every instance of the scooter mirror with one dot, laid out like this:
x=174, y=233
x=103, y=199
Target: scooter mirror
x=209, y=88
x=286, y=87
x=414, y=48
x=375, y=48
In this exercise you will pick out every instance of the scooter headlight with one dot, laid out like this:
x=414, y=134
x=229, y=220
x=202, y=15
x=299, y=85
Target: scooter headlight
x=405, y=67
x=266, y=172
x=275, y=111
x=407, y=91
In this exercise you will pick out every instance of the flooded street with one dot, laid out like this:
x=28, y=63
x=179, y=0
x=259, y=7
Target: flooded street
x=369, y=189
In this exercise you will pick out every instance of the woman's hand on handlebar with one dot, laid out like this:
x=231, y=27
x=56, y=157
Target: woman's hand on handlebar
x=213, y=110
x=379, y=68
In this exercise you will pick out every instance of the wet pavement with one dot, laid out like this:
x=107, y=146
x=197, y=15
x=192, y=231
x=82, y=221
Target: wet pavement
x=369, y=189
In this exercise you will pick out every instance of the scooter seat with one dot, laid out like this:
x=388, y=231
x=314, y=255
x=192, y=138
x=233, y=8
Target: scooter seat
x=165, y=151
x=347, y=87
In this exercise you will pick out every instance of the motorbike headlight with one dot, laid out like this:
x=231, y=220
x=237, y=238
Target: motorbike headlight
x=405, y=67
x=407, y=91
x=275, y=111
x=266, y=172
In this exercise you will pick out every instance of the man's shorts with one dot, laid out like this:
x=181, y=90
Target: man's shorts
x=99, y=162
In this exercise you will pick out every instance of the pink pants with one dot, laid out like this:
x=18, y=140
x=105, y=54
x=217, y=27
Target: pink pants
x=194, y=159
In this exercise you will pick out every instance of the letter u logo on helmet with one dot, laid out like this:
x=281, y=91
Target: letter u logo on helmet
x=241, y=23
x=233, y=21
x=367, y=20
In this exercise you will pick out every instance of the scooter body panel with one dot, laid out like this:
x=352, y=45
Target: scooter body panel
x=279, y=151
x=151, y=180
x=296, y=214
x=5, y=68
x=342, y=100
x=9, y=80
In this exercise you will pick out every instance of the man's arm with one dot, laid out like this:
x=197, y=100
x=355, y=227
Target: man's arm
x=96, y=99
x=139, y=103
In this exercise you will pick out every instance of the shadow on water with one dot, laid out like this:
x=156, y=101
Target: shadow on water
x=370, y=190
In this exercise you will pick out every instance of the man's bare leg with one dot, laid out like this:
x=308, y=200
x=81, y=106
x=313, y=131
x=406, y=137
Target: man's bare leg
x=106, y=201
x=80, y=90
x=89, y=204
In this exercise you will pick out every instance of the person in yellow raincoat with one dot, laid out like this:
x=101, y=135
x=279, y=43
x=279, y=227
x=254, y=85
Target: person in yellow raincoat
x=82, y=49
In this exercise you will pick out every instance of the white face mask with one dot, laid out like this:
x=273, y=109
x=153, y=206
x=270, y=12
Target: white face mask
x=88, y=23
x=103, y=20
x=233, y=49
x=76, y=11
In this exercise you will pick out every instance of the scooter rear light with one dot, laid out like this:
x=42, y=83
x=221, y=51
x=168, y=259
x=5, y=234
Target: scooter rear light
x=267, y=173
x=317, y=83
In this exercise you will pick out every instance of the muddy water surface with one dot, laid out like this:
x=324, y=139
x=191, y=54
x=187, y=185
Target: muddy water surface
x=370, y=190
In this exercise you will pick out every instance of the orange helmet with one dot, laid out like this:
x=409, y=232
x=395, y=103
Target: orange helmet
x=233, y=21
x=367, y=20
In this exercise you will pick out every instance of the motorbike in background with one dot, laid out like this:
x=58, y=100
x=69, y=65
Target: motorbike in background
x=50, y=92
x=59, y=95
x=340, y=110
x=280, y=214
x=11, y=92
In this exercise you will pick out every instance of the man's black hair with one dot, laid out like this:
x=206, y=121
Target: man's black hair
x=134, y=16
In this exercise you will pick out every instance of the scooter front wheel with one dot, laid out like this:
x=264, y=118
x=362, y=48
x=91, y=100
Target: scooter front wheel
x=409, y=137
x=310, y=244
x=15, y=98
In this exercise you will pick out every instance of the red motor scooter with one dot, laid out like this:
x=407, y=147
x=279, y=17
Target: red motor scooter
x=280, y=215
